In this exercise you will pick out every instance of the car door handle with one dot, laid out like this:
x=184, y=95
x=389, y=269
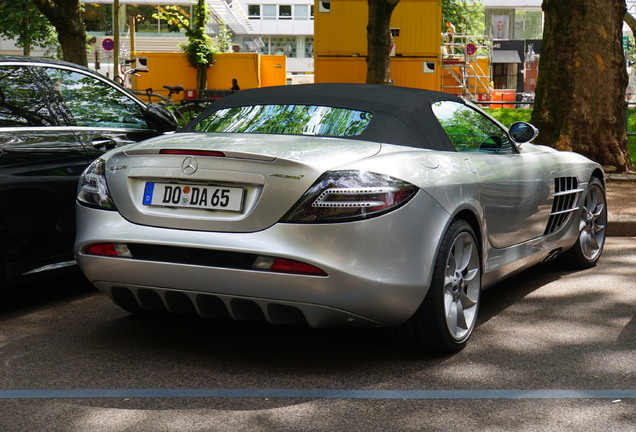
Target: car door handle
x=103, y=143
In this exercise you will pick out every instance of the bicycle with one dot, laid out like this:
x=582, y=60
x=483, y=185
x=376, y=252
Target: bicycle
x=183, y=111
x=123, y=81
x=194, y=107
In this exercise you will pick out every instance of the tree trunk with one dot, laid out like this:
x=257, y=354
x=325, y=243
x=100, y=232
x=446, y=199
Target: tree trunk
x=26, y=37
x=200, y=19
x=580, y=95
x=202, y=77
x=66, y=17
x=379, y=41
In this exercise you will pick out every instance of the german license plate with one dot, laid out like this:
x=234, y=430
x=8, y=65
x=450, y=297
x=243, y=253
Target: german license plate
x=193, y=196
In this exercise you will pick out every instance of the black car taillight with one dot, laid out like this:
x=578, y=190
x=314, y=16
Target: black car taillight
x=340, y=196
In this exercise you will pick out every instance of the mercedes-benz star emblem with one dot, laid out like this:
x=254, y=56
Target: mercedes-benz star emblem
x=189, y=165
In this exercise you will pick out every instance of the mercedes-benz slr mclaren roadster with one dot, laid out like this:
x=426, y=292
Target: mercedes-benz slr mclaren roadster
x=335, y=205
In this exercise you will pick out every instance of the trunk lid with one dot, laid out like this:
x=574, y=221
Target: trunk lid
x=258, y=178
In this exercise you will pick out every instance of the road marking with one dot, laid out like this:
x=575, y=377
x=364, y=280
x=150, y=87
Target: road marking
x=613, y=394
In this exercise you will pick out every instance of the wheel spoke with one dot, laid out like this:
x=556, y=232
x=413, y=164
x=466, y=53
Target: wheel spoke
x=461, y=316
x=598, y=210
x=471, y=275
x=586, y=243
x=594, y=245
x=451, y=317
x=591, y=200
x=451, y=266
x=467, y=302
x=457, y=254
x=465, y=257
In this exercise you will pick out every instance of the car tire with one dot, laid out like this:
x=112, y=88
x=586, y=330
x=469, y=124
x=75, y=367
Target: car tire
x=592, y=229
x=446, y=318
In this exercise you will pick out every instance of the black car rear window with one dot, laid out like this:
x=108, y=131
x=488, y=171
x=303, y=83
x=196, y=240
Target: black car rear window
x=287, y=119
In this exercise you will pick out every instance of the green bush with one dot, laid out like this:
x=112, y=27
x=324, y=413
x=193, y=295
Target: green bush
x=508, y=116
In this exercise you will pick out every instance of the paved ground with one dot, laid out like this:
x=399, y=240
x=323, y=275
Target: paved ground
x=553, y=351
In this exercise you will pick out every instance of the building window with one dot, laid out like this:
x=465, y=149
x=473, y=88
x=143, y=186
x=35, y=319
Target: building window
x=254, y=11
x=144, y=21
x=515, y=23
x=269, y=12
x=98, y=19
x=281, y=12
x=309, y=47
x=283, y=46
x=284, y=12
x=324, y=6
x=286, y=46
x=301, y=12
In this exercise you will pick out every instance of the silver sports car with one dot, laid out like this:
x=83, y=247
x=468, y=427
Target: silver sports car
x=335, y=205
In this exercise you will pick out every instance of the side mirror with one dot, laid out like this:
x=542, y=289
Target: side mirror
x=522, y=132
x=160, y=117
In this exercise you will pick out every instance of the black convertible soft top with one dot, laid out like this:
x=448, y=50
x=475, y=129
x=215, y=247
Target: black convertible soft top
x=401, y=115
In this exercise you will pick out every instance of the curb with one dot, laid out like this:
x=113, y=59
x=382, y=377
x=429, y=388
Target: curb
x=625, y=226
x=621, y=228
x=629, y=176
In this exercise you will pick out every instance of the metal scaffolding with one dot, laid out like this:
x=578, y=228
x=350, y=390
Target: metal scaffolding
x=463, y=73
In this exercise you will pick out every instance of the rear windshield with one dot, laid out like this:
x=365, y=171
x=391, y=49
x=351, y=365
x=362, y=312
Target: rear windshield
x=287, y=119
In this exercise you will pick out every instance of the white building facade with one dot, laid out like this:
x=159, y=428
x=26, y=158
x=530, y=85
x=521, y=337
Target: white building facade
x=513, y=19
x=281, y=27
x=265, y=26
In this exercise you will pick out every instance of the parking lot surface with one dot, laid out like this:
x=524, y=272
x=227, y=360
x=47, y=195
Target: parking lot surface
x=553, y=350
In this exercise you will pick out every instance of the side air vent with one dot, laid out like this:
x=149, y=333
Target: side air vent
x=565, y=197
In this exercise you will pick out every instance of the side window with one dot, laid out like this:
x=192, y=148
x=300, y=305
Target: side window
x=471, y=131
x=22, y=102
x=94, y=103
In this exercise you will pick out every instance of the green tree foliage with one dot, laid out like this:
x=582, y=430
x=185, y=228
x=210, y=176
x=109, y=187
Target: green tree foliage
x=224, y=38
x=22, y=21
x=466, y=15
x=200, y=49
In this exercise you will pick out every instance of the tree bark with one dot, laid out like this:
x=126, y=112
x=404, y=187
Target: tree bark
x=379, y=41
x=202, y=77
x=66, y=17
x=26, y=45
x=200, y=19
x=580, y=95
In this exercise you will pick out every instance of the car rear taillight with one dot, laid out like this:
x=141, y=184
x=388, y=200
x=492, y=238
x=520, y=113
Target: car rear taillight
x=108, y=249
x=341, y=196
x=284, y=265
x=192, y=152
x=92, y=189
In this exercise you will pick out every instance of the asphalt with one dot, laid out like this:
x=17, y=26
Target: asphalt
x=621, y=204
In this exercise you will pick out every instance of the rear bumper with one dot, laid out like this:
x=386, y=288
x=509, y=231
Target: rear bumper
x=378, y=270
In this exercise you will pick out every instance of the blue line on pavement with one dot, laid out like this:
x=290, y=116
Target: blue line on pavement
x=316, y=394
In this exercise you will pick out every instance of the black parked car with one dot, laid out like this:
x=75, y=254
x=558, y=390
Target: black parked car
x=55, y=118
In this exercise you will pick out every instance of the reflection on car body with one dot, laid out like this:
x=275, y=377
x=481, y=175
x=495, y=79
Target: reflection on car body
x=360, y=206
x=55, y=118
